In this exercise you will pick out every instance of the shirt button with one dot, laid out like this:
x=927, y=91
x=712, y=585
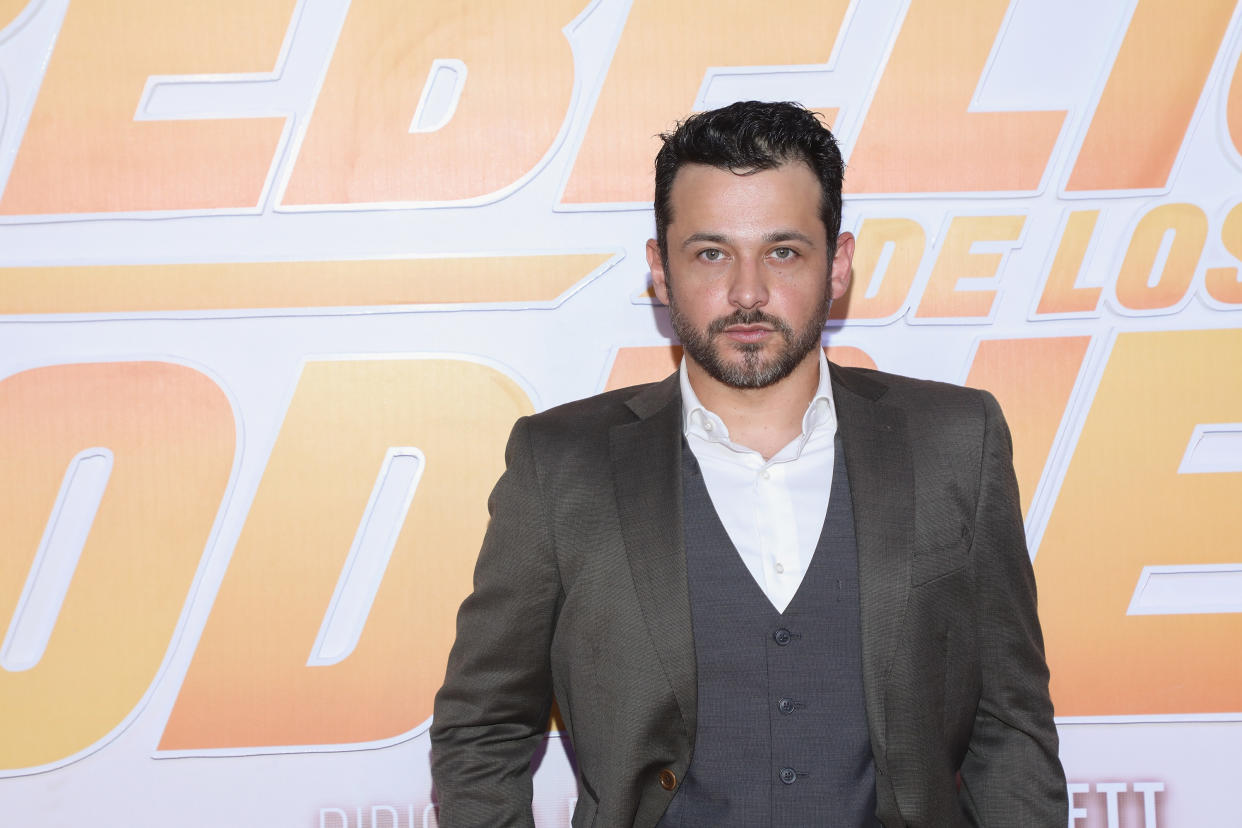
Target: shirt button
x=668, y=779
x=789, y=776
x=782, y=636
x=786, y=705
x=780, y=568
x=765, y=474
x=707, y=425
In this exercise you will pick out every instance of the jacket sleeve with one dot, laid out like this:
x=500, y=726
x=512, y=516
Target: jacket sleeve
x=1011, y=775
x=492, y=711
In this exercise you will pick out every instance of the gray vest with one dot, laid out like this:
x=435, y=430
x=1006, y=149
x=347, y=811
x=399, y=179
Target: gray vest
x=782, y=735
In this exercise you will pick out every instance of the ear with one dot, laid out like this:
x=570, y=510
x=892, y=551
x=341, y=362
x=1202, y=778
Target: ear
x=842, y=265
x=659, y=280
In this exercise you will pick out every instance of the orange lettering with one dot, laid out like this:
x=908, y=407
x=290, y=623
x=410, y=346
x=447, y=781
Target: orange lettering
x=1123, y=505
x=171, y=433
x=276, y=683
x=9, y=9
x=514, y=76
x=83, y=150
x=659, y=67
x=252, y=285
x=1222, y=283
x=1061, y=295
x=941, y=297
x=1156, y=82
x=918, y=136
x=1188, y=226
x=882, y=295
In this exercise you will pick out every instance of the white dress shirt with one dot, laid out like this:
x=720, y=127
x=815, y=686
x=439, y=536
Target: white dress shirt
x=772, y=509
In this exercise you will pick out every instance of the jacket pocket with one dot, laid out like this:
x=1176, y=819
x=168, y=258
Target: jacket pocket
x=947, y=553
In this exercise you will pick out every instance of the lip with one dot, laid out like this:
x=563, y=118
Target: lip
x=747, y=333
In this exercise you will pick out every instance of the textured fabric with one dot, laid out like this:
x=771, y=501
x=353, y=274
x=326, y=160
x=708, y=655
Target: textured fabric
x=580, y=592
x=782, y=730
x=772, y=509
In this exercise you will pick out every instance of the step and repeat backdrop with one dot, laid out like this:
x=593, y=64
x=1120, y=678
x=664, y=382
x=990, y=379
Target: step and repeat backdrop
x=277, y=277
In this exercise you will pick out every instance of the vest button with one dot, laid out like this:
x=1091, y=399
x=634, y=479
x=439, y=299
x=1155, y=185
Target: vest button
x=786, y=705
x=668, y=779
x=782, y=636
x=789, y=776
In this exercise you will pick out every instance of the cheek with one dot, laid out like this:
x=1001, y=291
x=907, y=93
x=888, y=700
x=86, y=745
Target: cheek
x=696, y=298
x=795, y=298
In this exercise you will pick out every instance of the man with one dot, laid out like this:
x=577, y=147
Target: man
x=767, y=590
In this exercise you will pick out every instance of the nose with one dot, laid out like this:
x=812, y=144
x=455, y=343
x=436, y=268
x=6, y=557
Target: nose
x=748, y=288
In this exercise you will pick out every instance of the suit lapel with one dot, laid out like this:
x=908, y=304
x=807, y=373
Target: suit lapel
x=878, y=461
x=646, y=464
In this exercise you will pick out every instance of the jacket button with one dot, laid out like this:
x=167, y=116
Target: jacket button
x=789, y=776
x=782, y=636
x=668, y=779
x=786, y=705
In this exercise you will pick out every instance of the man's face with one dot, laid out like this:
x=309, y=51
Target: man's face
x=749, y=278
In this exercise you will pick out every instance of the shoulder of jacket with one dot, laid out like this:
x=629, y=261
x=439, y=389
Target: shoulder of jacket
x=585, y=422
x=897, y=389
x=608, y=405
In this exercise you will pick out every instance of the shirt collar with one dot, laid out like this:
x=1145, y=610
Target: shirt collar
x=700, y=421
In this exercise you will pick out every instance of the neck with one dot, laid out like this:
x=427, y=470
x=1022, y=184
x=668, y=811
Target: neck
x=762, y=419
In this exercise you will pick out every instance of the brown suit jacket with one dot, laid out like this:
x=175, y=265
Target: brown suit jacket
x=580, y=593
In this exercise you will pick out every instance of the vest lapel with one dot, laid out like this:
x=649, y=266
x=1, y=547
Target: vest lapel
x=878, y=459
x=646, y=465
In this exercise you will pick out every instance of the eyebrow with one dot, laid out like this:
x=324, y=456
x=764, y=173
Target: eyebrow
x=788, y=235
x=714, y=238
x=770, y=238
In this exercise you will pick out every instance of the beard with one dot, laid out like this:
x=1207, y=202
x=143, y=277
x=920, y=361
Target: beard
x=754, y=370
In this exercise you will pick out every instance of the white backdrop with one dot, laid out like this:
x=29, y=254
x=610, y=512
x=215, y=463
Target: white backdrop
x=245, y=288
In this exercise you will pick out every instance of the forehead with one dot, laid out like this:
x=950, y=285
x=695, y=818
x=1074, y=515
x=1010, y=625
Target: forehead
x=705, y=198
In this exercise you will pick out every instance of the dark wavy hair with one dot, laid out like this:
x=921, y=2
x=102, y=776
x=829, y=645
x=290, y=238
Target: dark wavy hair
x=746, y=137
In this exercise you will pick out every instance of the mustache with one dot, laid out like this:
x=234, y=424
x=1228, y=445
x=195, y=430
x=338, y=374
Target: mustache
x=748, y=317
